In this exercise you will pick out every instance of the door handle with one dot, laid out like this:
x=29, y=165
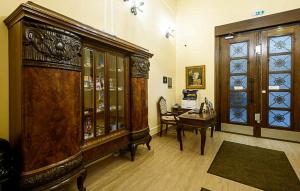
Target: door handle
x=257, y=117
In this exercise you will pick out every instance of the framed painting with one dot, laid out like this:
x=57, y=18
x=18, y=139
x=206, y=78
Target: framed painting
x=195, y=77
x=169, y=82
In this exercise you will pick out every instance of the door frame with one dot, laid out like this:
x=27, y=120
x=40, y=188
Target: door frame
x=273, y=20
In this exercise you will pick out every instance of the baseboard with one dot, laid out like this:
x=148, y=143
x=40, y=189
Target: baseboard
x=154, y=130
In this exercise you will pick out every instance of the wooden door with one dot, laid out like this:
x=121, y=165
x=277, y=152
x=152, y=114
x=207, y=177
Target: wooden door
x=280, y=82
x=238, y=65
x=259, y=85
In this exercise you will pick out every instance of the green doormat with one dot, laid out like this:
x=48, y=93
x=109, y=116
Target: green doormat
x=261, y=168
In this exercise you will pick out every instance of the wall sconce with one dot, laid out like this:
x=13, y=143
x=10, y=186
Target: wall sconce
x=170, y=33
x=136, y=7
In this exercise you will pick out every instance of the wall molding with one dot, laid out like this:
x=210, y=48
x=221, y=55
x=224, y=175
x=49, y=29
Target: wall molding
x=174, y=11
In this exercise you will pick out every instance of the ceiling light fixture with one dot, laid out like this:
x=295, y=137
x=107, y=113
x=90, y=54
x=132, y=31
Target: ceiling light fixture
x=170, y=33
x=136, y=6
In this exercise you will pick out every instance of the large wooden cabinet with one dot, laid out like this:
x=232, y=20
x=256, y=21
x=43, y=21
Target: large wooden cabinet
x=76, y=95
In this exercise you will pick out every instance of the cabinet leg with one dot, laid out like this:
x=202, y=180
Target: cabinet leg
x=132, y=148
x=80, y=181
x=148, y=143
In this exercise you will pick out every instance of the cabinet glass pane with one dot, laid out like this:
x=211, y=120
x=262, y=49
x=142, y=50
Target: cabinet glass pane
x=238, y=99
x=238, y=66
x=280, y=63
x=238, y=50
x=113, y=114
x=281, y=44
x=238, y=82
x=280, y=81
x=121, y=94
x=88, y=94
x=100, y=119
x=238, y=115
x=278, y=118
x=279, y=99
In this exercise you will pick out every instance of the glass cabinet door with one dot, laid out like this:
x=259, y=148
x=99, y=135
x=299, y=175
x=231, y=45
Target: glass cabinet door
x=116, y=93
x=100, y=105
x=113, y=114
x=104, y=77
x=121, y=92
x=88, y=84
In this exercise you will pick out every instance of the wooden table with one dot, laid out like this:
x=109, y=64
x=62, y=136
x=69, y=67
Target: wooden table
x=196, y=121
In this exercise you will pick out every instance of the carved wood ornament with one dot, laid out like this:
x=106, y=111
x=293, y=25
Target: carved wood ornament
x=51, y=46
x=52, y=174
x=140, y=67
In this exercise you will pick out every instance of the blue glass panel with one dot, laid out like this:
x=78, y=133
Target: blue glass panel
x=238, y=50
x=238, y=99
x=279, y=118
x=280, y=99
x=280, y=44
x=238, y=115
x=238, y=81
x=281, y=80
x=280, y=63
x=238, y=66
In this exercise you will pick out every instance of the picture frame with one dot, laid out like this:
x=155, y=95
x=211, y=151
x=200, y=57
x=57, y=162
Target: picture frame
x=195, y=77
x=169, y=82
x=165, y=79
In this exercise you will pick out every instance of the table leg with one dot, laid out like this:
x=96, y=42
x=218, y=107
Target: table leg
x=203, y=138
x=179, y=137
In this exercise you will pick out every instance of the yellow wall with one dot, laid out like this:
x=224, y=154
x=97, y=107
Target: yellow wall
x=196, y=20
x=113, y=16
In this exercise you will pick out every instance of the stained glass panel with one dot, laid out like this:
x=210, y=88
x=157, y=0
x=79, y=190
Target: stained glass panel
x=238, y=50
x=279, y=99
x=238, y=66
x=280, y=118
x=238, y=99
x=238, y=115
x=280, y=63
x=238, y=81
x=282, y=81
x=280, y=44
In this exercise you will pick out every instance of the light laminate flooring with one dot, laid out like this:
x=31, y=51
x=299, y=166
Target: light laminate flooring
x=166, y=168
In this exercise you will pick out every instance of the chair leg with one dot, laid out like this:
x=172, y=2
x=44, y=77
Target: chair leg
x=212, y=131
x=166, y=128
x=196, y=131
x=183, y=132
x=161, y=128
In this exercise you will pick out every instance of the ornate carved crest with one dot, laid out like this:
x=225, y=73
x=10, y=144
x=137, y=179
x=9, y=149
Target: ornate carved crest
x=47, y=46
x=140, y=67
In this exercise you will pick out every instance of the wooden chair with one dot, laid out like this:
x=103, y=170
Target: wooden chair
x=166, y=117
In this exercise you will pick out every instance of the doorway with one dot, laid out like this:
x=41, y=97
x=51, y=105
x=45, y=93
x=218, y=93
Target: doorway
x=258, y=85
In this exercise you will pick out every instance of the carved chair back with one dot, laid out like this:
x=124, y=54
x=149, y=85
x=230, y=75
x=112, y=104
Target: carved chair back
x=162, y=104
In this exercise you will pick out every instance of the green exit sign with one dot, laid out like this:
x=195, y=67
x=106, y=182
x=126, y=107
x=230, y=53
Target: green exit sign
x=259, y=13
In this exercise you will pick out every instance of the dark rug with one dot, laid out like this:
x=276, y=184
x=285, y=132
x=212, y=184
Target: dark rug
x=261, y=168
x=204, y=189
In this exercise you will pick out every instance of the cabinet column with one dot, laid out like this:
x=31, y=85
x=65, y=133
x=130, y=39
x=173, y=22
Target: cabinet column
x=140, y=133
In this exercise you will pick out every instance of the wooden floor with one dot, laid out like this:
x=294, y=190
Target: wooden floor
x=166, y=168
